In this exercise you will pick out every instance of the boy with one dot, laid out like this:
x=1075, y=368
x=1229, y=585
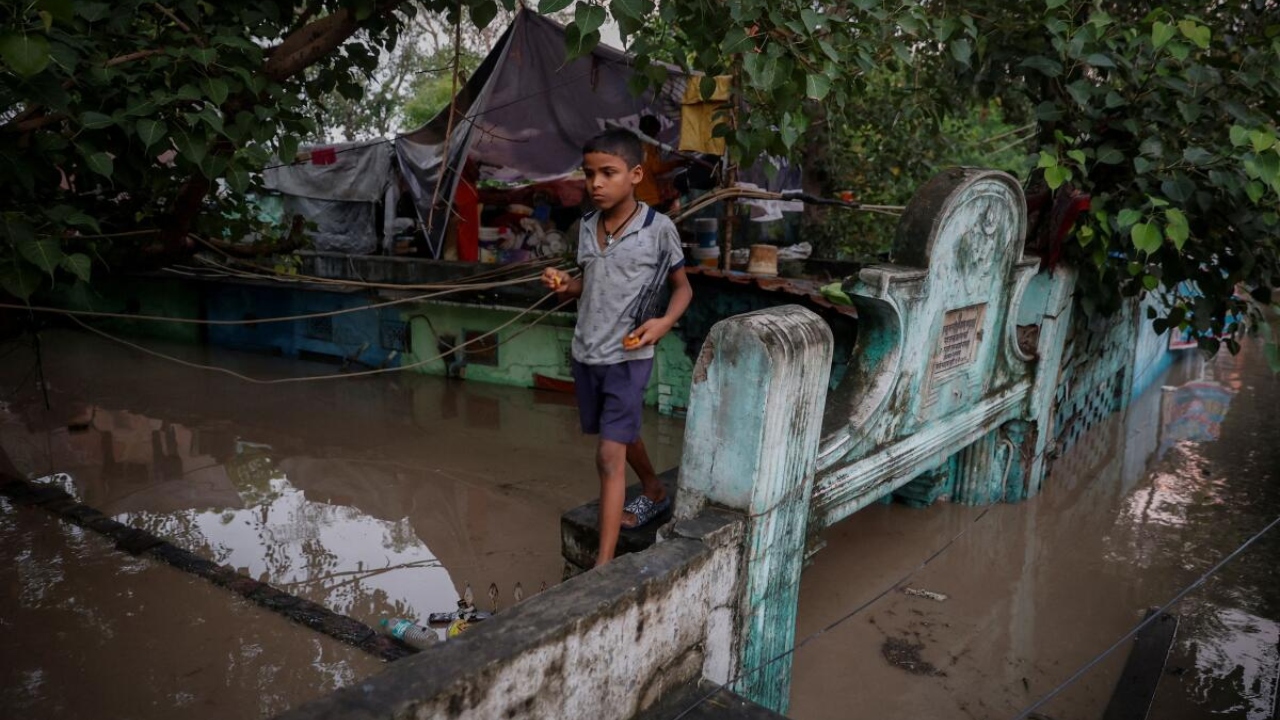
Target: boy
x=627, y=251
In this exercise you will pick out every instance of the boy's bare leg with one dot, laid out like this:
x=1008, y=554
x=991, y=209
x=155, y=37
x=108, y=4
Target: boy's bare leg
x=611, y=463
x=638, y=459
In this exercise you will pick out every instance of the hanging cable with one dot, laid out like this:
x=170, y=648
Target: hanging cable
x=336, y=376
x=839, y=621
x=287, y=318
x=1026, y=712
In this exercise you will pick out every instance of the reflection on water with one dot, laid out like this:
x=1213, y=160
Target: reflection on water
x=89, y=632
x=1236, y=656
x=1134, y=512
x=374, y=497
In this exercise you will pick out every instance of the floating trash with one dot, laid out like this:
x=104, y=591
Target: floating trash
x=927, y=594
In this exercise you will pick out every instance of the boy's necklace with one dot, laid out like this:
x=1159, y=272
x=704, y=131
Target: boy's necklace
x=608, y=235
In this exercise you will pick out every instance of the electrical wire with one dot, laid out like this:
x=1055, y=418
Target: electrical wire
x=1026, y=712
x=336, y=376
x=839, y=621
x=260, y=273
x=286, y=318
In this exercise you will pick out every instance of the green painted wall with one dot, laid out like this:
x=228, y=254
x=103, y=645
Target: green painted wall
x=137, y=296
x=543, y=349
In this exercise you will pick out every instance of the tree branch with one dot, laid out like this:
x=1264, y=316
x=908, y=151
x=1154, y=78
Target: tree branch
x=184, y=27
x=304, y=46
x=121, y=59
x=34, y=123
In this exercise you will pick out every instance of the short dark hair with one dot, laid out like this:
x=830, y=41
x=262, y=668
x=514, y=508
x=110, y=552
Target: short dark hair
x=618, y=142
x=650, y=125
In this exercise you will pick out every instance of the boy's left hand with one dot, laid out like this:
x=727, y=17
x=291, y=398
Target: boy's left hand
x=649, y=333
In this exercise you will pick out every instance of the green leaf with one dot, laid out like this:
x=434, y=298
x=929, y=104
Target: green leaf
x=19, y=279
x=483, y=13
x=1196, y=33
x=1255, y=190
x=961, y=50
x=1150, y=282
x=100, y=163
x=1176, y=227
x=1043, y=65
x=788, y=132
x=817, y=86
x=93, y=11
x=546, y=7
x=1081, y=91
x=1055, y=4
x=26, y=55
x=1197, y=156
x=150, y=131
x=1268, y=166
x=1056, y=176
x=829, y=51
x=753, y=65
x=216, y=90
x=1100, y=60
x=1161, y=33
x=1077, y=155
x=204, y=56
x=44, y=254
x=238, y=179
x=579, y=43
x=1128, y=217
x=288, y=148
x=736, y=41
x=1109, y=155
x=1146, y=237
x=588, y=18
x=61, y=10
x=77, y=264
x=707, y=87
x=1261, y=140
x=811, y=18
x=1179, y=189
x=95, y=120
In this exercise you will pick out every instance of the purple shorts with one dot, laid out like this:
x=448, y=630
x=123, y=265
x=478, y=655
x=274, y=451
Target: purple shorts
x=611, y=398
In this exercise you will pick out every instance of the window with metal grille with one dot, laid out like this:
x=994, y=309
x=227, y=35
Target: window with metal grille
x=395, y=335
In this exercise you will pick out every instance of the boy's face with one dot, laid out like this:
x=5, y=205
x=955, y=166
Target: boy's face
x=609, y=180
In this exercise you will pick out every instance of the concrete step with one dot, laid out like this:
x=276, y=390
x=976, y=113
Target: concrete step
x=580, y=540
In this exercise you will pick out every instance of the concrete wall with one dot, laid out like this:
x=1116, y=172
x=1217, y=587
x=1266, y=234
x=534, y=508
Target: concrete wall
x=604, y=645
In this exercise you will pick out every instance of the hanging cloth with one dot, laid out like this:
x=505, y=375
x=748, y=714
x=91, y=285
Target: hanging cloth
x=697, y=116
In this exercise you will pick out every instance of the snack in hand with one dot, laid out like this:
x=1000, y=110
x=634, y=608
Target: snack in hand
x=630, y=342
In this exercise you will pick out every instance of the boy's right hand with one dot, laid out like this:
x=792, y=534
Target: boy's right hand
x=557, y=280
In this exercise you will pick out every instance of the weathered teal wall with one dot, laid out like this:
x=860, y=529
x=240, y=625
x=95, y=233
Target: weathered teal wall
x=751, y=445
x=940, y=363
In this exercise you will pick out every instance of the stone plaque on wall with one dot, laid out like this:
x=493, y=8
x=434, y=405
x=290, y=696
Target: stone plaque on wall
x=957, y=346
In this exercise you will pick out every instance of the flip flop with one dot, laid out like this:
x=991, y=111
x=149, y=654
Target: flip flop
x=645, y=509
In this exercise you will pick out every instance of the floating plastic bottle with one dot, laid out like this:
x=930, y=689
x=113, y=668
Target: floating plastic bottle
x=410, y=632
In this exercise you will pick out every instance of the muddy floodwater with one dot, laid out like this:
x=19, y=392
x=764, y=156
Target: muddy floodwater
x=1144, y=504
x=375, y=497
x=388, y=496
